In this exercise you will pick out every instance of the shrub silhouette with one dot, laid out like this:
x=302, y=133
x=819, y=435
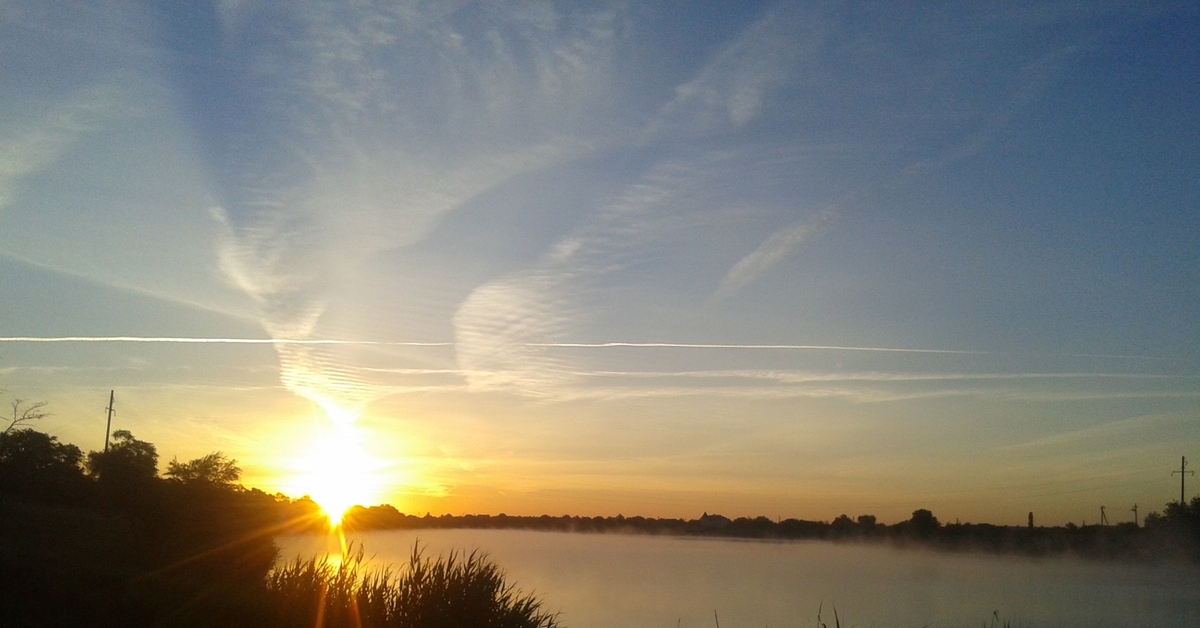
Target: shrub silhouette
x=127, y=461
x=215, y=469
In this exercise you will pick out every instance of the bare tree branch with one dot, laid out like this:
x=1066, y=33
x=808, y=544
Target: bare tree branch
x=23, y=414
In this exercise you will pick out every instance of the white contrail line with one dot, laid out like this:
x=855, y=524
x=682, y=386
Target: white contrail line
x=562, y=345
x=804, y=377
x=241, y=341
x=681, y=345
x=553, y=345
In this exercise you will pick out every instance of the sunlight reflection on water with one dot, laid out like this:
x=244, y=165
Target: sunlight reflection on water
x=616, y=580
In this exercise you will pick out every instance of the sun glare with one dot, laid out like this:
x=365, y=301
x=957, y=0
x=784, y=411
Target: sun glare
x=336, y=472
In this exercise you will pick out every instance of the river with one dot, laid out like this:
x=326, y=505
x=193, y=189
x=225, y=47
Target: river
x=631, y=581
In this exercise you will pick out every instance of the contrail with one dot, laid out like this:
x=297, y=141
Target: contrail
x=562, y=345
x=548, y=345
x=682, y=345
x=237, y=341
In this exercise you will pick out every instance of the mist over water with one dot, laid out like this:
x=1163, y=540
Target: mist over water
x=617, y=580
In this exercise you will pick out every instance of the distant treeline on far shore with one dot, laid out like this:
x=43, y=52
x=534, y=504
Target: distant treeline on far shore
x=1174, y=533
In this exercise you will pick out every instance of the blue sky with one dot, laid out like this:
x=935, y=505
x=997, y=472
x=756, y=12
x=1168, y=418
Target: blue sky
x=793, y=259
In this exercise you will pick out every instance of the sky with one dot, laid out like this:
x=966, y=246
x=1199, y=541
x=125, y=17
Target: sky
x=790, y=259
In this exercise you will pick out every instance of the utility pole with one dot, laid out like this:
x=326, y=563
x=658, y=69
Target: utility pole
x=108, y=428
x=1103, y=517
x=1183, y=472
x=1134, y=509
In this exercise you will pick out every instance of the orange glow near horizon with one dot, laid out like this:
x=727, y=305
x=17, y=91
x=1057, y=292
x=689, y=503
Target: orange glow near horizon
x=335, y=470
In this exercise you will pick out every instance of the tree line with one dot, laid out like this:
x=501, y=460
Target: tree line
x=1175, y=533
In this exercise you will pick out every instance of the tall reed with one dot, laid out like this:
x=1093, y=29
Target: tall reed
x=459, y=590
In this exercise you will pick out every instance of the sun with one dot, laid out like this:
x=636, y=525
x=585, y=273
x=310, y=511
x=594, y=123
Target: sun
x=335, y=470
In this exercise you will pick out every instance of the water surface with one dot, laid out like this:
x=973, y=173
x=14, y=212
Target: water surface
x=606, y=580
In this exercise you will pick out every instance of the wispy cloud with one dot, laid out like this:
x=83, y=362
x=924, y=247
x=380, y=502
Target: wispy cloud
x=734, y=87
x=494, y=323
x=1034, y=80
x=512, y=326
x=365, y=163
x=30, y=145
x=1137, y=430
x=772, y=251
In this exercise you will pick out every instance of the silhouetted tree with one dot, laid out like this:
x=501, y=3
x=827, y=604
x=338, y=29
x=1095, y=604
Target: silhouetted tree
x=128, y=460
x=843, y=525
x=215, y=469
x=1177, y=518
x=33, y=460
x=923, y=523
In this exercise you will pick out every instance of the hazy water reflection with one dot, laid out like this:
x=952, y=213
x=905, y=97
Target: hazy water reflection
x=631, y=581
